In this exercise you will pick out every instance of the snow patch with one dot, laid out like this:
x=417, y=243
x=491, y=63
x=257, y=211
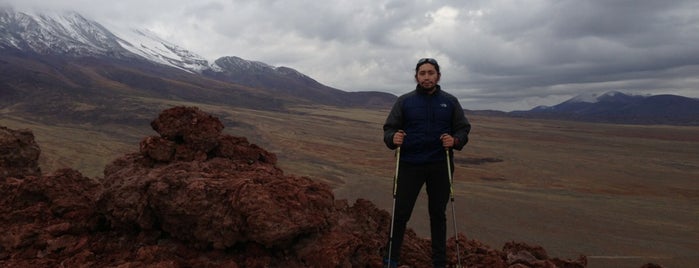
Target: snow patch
x=47, y=32
x=593, y=97
x=150, y=46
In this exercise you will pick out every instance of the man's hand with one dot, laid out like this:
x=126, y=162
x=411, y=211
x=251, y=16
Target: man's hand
x=447, y=140
x=398, y=137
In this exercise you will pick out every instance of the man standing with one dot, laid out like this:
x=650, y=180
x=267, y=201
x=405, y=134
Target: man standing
x=423, y=124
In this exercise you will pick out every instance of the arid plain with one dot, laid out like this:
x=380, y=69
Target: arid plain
x=623, y=195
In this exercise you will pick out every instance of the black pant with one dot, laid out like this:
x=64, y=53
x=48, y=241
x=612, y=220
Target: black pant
x=410, y=180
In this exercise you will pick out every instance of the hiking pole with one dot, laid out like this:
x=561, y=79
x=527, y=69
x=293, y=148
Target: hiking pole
x=453, y=213
x=393, y=210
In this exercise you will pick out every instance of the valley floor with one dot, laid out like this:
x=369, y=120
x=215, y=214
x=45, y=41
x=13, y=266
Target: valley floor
x=623, y=195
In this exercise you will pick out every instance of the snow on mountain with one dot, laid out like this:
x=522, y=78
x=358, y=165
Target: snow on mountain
x=236, y=64
x=291, y=72
x=588, y=97
x=66, y=32
x=150, y=46
x=593, y=97
x=65, y=37
x=48, y=32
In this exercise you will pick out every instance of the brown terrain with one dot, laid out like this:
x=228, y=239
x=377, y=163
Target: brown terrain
x=621, y=195
x=193, y=196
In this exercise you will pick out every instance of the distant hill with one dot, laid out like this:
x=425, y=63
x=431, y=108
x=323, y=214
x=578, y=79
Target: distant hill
x=63, y=66
x=617, y=107
x=287, y=81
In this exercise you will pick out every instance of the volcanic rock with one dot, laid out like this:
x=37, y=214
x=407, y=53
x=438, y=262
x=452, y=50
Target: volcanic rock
x=19, y=153
x=44, y=220
x=193, y=196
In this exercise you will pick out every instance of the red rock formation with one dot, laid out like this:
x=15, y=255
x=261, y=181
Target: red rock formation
x=19, y=153
x=195, y=197
x=44, y=220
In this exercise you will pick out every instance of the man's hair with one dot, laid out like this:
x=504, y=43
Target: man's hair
x=425, y=61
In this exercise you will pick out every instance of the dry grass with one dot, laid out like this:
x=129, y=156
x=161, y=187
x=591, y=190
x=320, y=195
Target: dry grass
x=622, y=194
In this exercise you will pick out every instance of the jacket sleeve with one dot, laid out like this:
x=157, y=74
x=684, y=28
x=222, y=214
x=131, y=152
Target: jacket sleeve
x=394, y=122
x=460, y=126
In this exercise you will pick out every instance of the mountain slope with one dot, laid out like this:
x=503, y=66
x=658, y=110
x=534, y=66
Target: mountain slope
x=148, y=45
x=60, y=33
x=103, y=90
x=287, y=81
x=617, y=107
x=64, y=66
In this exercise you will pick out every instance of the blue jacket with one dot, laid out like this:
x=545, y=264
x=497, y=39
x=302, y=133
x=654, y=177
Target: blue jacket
x=424, y=118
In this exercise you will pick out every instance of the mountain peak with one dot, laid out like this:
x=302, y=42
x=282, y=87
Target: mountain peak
x=55, y=32
x=69, y=33
x=596, y=97
x=237, y=63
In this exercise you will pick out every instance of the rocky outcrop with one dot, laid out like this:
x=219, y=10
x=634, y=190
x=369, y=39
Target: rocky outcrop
x=19, y=153
x=193, y=196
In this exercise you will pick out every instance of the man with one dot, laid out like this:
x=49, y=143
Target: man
x=423, y=124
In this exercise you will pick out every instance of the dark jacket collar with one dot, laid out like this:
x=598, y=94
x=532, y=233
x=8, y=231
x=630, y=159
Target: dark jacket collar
x=422, y=90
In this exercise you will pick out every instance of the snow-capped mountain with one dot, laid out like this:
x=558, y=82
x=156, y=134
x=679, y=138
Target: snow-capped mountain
x=611, y=96
x=238, y=67
x=65, y=66
x=72, y=34
x=583, y=103
x=237, y=63
x=67, y=33
x=593, y=97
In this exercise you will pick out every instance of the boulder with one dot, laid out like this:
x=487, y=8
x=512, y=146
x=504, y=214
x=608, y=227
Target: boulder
x=19, y=153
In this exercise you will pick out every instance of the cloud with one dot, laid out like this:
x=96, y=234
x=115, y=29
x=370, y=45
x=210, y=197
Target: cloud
x=496, y=54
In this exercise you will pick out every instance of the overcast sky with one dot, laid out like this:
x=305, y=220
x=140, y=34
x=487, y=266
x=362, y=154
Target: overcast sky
x=494, y=54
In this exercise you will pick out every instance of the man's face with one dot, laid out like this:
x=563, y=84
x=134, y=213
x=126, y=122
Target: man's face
x=427, y=76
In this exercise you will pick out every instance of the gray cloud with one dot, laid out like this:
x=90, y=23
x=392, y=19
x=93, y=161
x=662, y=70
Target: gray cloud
x=496, y=54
